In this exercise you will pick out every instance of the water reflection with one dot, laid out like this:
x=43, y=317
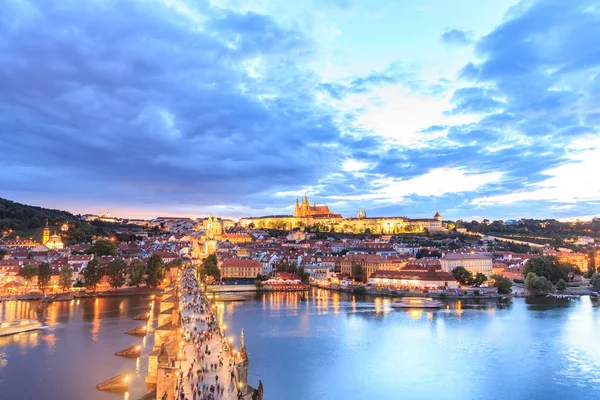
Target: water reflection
x=81, y=335
x=542, y=346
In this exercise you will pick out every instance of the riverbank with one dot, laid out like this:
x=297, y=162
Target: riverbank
x=82, y=295
x=400, y=294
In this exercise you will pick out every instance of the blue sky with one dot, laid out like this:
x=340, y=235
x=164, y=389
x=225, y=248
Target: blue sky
x=476, y=109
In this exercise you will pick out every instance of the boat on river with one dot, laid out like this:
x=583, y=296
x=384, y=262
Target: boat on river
x=16, y=327
x=417, y=302
x=595, y=296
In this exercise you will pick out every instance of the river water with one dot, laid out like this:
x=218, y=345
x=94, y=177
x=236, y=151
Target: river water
x=329, y=345
x=76, y=352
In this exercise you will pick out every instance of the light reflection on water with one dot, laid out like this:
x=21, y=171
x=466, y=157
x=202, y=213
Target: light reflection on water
x=329, y=345
x=75, y=352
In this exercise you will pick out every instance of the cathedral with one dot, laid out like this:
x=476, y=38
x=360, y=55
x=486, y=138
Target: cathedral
x=306, y=210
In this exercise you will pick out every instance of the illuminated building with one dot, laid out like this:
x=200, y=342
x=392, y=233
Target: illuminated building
x=320, y=215
x=473, y=263
x=240, y=268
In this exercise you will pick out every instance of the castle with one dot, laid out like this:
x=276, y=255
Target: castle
x=307, y=215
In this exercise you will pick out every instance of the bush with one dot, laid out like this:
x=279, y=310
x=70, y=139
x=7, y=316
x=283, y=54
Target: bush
x=561, y=285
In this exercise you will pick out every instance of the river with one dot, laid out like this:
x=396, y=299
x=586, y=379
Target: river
x=76, y=352
x=327, y=345
x=330, y=345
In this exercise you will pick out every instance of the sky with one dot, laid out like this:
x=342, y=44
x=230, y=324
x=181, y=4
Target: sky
x=474, y=109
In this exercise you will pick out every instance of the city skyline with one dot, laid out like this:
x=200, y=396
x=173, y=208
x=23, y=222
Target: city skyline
x=234, y=108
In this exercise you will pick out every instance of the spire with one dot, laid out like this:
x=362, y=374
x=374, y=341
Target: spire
x=46, y=222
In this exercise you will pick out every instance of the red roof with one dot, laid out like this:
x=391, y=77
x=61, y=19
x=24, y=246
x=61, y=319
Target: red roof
x=240, y=263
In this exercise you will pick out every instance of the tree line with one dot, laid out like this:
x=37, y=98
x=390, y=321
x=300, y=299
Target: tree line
x=117, y=272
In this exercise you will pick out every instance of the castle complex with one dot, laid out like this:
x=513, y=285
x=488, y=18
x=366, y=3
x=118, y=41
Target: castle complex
x=320, y=215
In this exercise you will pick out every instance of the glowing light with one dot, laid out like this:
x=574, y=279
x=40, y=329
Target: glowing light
x=127, y=378
x=138, y=347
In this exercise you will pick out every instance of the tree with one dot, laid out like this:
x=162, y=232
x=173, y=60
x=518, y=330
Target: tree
x=479, y=278
x=357, y=273
x=178, y=262
x=537, y=284
x=136, y=271
x=209, y=267
x=156, y=270
x=591, y=264
x=422, y=253
x=115, y=271
x=462, y=275
x=304, y=276
x=44, y=276
x=103, y=248
x=28, y=272
x=287, y=267
x=595, y=281
x=550, y=268
x=92, y=274
x=65, y=278
x=561, y=285
x=503, y=284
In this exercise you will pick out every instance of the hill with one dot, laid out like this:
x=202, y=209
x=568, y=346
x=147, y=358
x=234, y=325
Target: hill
x=28, y=221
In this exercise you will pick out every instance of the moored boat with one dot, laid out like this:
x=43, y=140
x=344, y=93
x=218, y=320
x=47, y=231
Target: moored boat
x=595, y=295
x=417, y=302
x=19, y=327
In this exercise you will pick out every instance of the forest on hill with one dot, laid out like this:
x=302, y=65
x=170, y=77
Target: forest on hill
x=27, y=221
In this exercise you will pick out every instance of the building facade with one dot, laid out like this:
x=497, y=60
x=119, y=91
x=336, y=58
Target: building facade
x=473, y=263
x=240, y=268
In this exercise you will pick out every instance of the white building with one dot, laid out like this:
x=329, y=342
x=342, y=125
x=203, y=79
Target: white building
x=473, y=263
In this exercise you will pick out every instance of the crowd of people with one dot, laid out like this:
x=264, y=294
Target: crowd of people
x=203, y=335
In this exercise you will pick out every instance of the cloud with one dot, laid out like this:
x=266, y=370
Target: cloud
x=437, y=182
x=456, y=36
x=211, y=106
x=571, y=182
x=159, y=108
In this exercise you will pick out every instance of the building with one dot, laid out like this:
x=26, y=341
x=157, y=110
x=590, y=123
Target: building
x=369, y=263
x=320, y=215
x=100, y=217
x=240, y=268
x=306, y=210
x=412, y=277
x=472, y=262
x=51, y=241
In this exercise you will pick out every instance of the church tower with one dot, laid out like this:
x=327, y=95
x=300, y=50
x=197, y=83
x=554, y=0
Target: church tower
x=297, y=209
x=305, y=209
x=46, y=234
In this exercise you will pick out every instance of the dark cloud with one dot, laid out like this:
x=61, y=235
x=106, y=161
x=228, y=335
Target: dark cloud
x=136, y=103
x=456, y=36
x=129, y=102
